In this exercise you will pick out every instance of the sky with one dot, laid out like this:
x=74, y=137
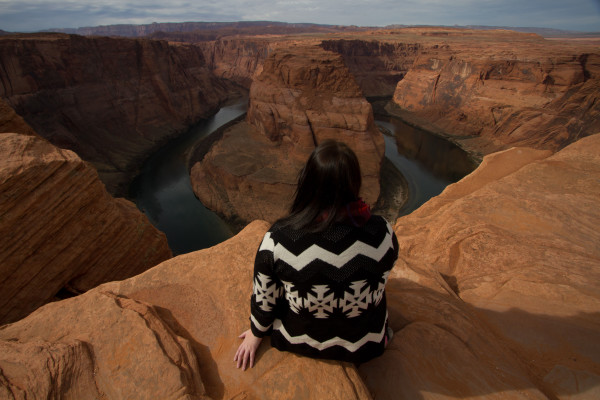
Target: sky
x=34, y=15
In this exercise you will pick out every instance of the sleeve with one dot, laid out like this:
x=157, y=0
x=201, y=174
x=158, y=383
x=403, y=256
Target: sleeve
x=395, y=245
x=266, y=289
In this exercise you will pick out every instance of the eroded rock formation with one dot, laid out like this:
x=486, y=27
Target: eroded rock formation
x=60, y=227
x=237, y=59
x=505, y=89
x=377, y=65
x=303, y=96
x=170, y=333
x=495, y=295
x=516, y=241
x=112, y=101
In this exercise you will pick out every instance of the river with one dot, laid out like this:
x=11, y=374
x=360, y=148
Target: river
x=164, y=193
x=163, y=190
x=427, y=162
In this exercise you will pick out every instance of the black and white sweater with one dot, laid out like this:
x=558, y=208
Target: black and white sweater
x=322, y=294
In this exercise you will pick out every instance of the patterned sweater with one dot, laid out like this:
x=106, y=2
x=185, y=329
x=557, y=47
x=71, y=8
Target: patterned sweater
x=322, y=294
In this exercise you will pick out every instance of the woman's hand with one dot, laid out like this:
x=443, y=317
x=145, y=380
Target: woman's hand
x=247, y=350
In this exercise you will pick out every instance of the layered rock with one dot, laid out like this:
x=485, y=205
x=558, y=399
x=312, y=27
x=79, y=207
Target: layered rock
x=112, y=101
x=237, y=59
x=516, y=241
x=303, y=96
x=377, y=65
x=11, y=122
x=170, y=333
x=495, y=295
x=507, y=90
x=60, y=227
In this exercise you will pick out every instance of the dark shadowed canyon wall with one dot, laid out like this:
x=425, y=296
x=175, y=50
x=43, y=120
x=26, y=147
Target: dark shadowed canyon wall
x=112, y=101
x=237, y=59
x=377, y=65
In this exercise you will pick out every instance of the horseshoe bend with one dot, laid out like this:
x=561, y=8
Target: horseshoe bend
x=495, y=293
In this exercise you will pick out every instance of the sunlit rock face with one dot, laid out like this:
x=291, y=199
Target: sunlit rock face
x=507, y=89
x=303, y=96
x=170, y=333
x=59, y=226
x=516, y=243
x=494, y=295
x=111, y=100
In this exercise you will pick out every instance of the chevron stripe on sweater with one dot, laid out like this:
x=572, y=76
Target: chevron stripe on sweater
x=335, y=341
x=315, y=252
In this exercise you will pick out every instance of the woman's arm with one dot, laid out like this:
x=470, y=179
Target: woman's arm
x=266, y=290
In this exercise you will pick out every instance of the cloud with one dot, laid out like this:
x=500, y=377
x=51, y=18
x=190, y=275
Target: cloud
x=31, y=15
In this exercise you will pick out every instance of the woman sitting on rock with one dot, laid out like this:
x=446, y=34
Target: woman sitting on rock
x=320, y=272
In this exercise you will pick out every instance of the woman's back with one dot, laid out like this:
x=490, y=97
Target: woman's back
x=323, y=292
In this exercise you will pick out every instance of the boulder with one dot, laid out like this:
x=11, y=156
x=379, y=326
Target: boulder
x=516, y=243
x=60, y=228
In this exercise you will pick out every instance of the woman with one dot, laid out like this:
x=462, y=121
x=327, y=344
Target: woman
x=320, y=272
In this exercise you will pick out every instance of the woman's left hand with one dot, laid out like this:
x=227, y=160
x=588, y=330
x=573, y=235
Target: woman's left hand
x=247, y=350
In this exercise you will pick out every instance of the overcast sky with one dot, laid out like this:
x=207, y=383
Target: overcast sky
x=33, y=15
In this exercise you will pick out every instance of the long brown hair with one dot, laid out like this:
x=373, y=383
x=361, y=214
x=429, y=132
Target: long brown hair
x=329, y=181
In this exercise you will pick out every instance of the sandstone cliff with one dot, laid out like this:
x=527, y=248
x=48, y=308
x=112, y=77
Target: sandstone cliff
x=494, y=296
x=377, y=65
x=237, y=59
x=112, y=101
x=516, y=241
x=60, y=227
x=505, y=89
x=303, y=96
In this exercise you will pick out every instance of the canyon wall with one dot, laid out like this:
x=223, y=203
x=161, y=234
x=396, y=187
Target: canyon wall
x=112, y=101
x=485, y=90
x=377, y=65
x=304, y=95
x=495, y=295
x=237, y=59
x=59, y=226
x=490, y=92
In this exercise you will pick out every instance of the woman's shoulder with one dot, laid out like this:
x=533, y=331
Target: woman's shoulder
x=378, y=223
x=375, y=226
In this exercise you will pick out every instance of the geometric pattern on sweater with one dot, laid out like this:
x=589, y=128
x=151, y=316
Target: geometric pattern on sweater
x=266, y=291
x=322, y=294
x=316, y=252
x=335, y=341
x=321, y=302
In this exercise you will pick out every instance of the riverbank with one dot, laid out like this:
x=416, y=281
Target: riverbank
x=394, y=187
x=394, y=192
x=472, y=145
x=197, y=152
